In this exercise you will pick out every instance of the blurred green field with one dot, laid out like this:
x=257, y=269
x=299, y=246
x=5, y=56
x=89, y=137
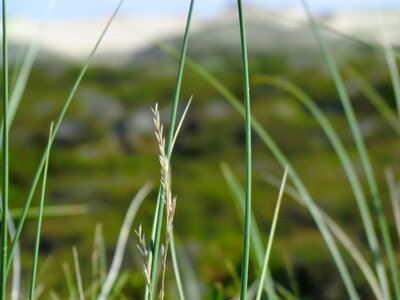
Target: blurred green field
x=106, y=150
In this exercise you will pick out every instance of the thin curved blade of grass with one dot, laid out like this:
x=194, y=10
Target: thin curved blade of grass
x=271, y=236
x=53, y=211
x=362, y=151
x=393, y=71
x=394, y=191
x=191, y=283
x=247, y=121
x=5, y=167
x=56, y=128
x=256, y=241
x=176, y=268
x=16, y=278
x=346, y=162
x=375, y=98
x=78, y=274
x=341, y=236
x=178, y=128
x=95, y=258
x=119, y=285
x=159, y=212
x=70, y=282
x=40, y=218
x=294, y=285
x=122, y=241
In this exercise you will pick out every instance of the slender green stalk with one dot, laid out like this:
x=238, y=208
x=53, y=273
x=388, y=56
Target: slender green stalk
x=4, y=215
x=347, y=164
x=271, y=236
x=53, y=211
x=78, y=273
x=176, y=268
x=247, y=217
x=256, y=241
x=394, y=74
x=361, y=148
x=375, y=98
x=70, y=282
x=157, y=225
x=40, y=217
x=56, y=128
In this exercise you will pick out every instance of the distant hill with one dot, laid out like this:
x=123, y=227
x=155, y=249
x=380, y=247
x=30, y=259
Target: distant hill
x=283, y=31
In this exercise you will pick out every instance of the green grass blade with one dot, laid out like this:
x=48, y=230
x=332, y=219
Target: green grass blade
x=294, y=285
x=157, y=225
x=394, y=74
x=256, y=241
x=362, y=151
x=5, y=172
x=70, y=282
x=78, y=274
x=40, y=217
x=16, y=276
x=340, y=235
x=192, y=287
x=247, y=213
x=176, y=268
x=53, y=211
x=271, y=236
x=56, y=128
x=375, y=98
x=394, y=191
x=122, y=241
x=346, y=162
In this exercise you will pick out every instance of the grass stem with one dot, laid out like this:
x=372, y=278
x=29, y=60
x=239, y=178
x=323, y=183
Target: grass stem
x=247, y=217
x=4, y=214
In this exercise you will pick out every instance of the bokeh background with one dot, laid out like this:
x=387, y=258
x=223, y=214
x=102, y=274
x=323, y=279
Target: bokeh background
x=106, y=150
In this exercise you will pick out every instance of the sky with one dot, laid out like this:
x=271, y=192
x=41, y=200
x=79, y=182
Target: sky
x=63, y=9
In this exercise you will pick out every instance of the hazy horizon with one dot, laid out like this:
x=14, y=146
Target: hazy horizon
x=88, y=8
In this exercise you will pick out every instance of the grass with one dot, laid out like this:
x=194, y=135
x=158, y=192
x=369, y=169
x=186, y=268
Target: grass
x=346, y=253
x=247, y=212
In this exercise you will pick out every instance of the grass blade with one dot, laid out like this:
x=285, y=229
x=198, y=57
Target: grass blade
x=346, y=162
x=78, y=274
x=340, y=235
x=4, y=215
x=176, y=268
x=256, y=241
x=122, y=241
x=159, y=212
x=363, y=154
x=393, y=71
x=375, y=98
x=70, y=282
x=40, y=217
x=394, y=190
x=271, y=236
x=53, y=211
x=247, y=213
x=56, y=128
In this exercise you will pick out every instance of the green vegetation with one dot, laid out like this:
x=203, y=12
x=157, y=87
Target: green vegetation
x=334, y=130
